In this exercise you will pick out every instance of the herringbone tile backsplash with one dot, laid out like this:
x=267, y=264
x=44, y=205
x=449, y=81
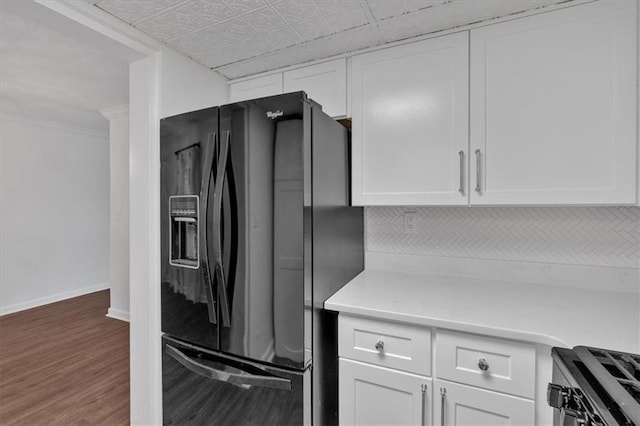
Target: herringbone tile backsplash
x=598, y=236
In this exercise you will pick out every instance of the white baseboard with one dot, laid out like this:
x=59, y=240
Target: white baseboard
x=34, y=303
x=118, y=314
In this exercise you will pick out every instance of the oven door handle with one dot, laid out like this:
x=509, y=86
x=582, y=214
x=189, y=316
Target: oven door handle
x=264, y=379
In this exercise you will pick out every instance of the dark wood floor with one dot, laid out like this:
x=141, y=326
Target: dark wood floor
x=64, y=364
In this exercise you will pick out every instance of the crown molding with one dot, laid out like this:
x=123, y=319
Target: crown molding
x=62, y=126
x=116, y=112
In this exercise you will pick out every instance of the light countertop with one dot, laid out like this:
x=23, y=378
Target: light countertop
x=544, y=314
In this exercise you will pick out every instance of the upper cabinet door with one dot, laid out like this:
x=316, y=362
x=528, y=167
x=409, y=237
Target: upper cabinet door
x=553, y=107
x=410, y=123
x=258, y=87
x=325, y=83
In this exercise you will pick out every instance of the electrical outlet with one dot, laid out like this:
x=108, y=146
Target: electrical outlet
x=410, y=222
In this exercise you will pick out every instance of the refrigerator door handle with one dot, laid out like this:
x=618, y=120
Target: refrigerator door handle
x=265, y=379
x=217, y=223
x=212, y=139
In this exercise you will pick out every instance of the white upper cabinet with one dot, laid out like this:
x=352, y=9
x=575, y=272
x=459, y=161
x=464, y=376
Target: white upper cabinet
x=553, y=107
x=258, y=87
x=410, y=123
x=325, y=83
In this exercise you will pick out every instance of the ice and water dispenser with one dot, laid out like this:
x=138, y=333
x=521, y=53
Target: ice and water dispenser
x=184, y=210
x=184, y=231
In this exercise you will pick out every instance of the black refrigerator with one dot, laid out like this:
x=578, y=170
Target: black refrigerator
x=257, y=232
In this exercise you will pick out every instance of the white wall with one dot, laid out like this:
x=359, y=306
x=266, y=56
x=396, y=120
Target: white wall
x=182, y=86
x=54, y=192
x=188, y=86
x=119, y=211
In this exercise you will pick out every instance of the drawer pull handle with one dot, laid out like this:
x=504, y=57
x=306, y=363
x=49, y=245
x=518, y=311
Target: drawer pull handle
x=380, y=346
x=483, y=364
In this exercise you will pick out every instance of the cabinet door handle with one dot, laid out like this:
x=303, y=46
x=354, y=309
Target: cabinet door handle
x=461, y=188
x=423, y=389
x=443, y=395
x=478, y=171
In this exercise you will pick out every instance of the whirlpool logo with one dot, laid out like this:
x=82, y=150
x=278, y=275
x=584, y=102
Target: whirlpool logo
x=274, y=114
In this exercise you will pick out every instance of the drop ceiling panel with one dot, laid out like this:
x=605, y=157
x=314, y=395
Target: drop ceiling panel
x=133, y=11
x=167, y=26
x=214, y=11
x=242, y=37
x=383, y=9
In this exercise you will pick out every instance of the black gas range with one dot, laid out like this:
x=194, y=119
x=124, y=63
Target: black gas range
x=594, y=387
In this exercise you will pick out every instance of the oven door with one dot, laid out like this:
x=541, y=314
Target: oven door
x=202, y=387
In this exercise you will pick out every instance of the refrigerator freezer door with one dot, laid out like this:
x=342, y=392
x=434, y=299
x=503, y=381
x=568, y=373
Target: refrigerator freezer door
x=201, y=387
x=187, y=151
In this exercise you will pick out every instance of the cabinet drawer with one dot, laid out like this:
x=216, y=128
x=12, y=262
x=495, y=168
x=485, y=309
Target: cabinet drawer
x=497, y=364
x=403, y=347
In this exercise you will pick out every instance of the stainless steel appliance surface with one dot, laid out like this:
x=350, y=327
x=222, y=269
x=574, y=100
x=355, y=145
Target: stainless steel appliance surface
x=257, y=232
x=593, y=387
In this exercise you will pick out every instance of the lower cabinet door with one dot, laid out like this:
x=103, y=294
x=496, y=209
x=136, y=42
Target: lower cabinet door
x=461, y=405
x=371, y=395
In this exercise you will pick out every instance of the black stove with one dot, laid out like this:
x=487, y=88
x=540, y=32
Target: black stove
x=594, y=387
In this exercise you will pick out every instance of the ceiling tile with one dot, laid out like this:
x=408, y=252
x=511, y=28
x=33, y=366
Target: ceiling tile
x=240, y=7
x=238, y=52
x=255, y=65
x=382, y=9
x=359, y=38
x=172, y=24
x=264, y=20
x=219, y=57
x=301, y=53
x=469, y=11
x=236, y=30
x=315, y=28
x=212, y=11
x=283, y=38
x=344, y=21
x=200, y=42
x=133, y=11
x=327, y=46
x=255, y=46
x=294, y=11
x=451, y=15
x=332, y=7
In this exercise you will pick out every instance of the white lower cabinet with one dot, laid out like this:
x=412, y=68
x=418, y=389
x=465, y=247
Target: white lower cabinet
x=373, y=395
x=461, y=405
x=383, y=376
